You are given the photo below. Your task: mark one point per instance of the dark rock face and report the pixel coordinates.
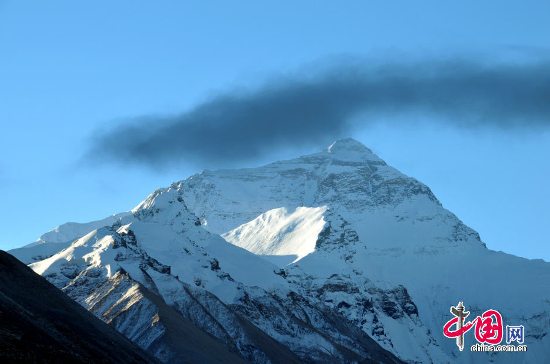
(294, 316)
(144, 317)
(40, 324)
(363, 303)
(337, 234)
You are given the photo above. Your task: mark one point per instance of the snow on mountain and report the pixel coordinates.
(159, 265)
(278, 232)
(60, 237)
(385, 230)
(335, 248)
(70, 231)
(347, 176)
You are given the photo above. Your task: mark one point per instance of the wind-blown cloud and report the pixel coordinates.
(236, 126)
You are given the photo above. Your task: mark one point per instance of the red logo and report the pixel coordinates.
(488, 326)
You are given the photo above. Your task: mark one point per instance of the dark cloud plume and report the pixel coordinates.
(314, 108)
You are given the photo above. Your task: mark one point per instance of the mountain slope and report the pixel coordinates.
(41, 324)
(159, 266)
(386, 235)
(280, 233)
(346, 257)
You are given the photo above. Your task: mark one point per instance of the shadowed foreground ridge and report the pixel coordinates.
(39, 323)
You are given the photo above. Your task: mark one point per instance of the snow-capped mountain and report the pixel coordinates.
(327, 257)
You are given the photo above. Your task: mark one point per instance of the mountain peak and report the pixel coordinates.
(350, 149)
(347, 143)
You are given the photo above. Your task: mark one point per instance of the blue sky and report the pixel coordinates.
(69, 69)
